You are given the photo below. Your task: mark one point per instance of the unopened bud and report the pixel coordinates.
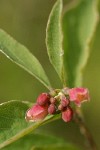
(52, 100)
(43, 99)
(36, 113)
(60, 107)
(67, 114)
(52, 109)
(65, 102)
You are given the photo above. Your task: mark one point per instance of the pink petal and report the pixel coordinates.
(52, 109)
(36, 113)
(67, 114)
(79, 95)
(72, 94)
(43, 99)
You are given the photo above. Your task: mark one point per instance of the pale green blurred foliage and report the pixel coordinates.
(26, 21)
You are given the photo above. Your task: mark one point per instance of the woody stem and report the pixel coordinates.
(84, 130)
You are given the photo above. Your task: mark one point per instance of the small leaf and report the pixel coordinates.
(40, 142)
(12, 121)
(79, 25)
(21, 55)
(54, 38)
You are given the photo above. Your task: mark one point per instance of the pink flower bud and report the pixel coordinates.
(65, 102)
(36, 113)
(60, 107)
(79, 95)
(51, 109)
(52, 100)
(43, 99)
(67, 114)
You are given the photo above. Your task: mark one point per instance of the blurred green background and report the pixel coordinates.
(26, 21)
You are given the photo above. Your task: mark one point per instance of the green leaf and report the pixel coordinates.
(79, 25)
(54, 38)
(40, 142)
(21, 55)
(12, 121)
(55, 147)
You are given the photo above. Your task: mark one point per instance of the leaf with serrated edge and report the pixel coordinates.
(12, 121)
(21, 55)
(54, 38)
(39, 141)
(79, 25)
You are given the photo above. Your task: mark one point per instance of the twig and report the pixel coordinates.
(84, 130)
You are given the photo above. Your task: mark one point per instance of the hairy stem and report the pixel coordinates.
(84, 130)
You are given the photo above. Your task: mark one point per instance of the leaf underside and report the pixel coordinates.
(79, 25)
(54, 38)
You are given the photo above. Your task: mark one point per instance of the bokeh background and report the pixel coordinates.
(26, 20)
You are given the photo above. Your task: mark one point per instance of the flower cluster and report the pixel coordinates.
(57, 101)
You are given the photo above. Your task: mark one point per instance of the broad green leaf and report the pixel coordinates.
(40, 142)
(54, 38)
(12, 121)
(79, 25)
(21, 55)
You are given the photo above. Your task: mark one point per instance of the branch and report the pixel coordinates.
(84, 130)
